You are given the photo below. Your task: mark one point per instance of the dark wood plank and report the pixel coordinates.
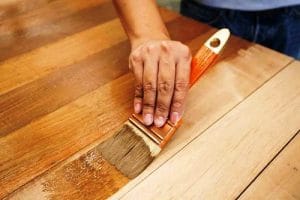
(87, 177)
(45, 95)
(45, 26)
(12, 8)
(39, 62)
(33, 149)
(59, 88)
(21, 106)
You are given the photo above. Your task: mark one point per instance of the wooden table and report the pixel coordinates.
(65, 87)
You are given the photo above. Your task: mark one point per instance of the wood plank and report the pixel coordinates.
(24, 104)
(13, 8)
(234, 69)
(43, 143)
(281, 179)
(50, 24)
(27, 67)
(30, 66)
(40, 97)
(87, 177)
(52, 11)
(218, 91)
(60, 88)
(222, 161)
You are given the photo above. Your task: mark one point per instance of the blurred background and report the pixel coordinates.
(170, 4)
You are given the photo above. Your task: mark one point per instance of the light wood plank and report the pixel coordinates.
(280, 180)
(37, 63)
(222, 161)
(71, 118)
(219, 90)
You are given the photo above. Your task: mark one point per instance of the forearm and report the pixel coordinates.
(141, 20)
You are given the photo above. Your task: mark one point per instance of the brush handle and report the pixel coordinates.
(207, 54)
(203, 59)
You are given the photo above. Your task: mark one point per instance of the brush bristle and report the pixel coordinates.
(129, 150)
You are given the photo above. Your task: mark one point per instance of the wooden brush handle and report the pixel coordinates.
(207, 54)
(204, 58)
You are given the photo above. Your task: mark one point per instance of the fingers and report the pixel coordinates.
(181, 86)
(162, 71)
(149, 85)
(165, 86)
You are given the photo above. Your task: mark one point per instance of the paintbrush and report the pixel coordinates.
(135, 145)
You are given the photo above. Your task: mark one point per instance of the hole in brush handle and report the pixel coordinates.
(215, 42)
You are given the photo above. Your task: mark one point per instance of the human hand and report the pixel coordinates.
(162, 71)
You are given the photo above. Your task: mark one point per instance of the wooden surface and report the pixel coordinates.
(65, 87)
(281, 179)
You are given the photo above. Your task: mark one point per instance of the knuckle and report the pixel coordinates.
(165, 61)
(130, 66)
(181, 86)
(165, 47)
(138, 91)
(162, 108)
(148, 105)
(186, 52)
(149, 87)
(177, 104)
(165, 87)
(149, 49)
(135, 57)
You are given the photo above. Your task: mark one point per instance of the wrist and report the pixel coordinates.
(138, 40)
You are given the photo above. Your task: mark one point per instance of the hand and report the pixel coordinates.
(162, 70)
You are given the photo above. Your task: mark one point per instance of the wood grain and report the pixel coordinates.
(122, 89)
(221, 162)
(66, 83)
(62, 86)
(281, 179)
(52, 11)
(40, 145)
(220, 89)
(58, 21)
(87, 177)
(39, 62)
(13, 8)
(57, 89)
(61, 78)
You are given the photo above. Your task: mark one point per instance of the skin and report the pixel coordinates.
(161, 66)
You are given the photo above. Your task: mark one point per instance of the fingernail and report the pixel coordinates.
(175, 117)
(148, 119)
(159, 122)
(137, 108)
